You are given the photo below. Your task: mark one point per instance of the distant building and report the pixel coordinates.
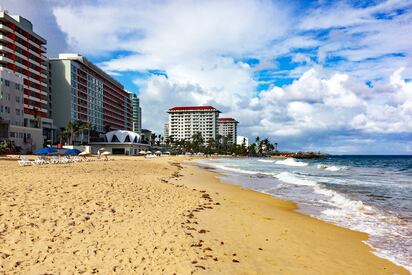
(228, 129)
(83, 92)
(166, 131)
(242, 140)
(184, 122)
(136, 113)
(24, 99)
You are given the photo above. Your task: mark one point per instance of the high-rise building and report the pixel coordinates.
(184, 122)
(83, 92)
(24, 76)
(136, 113)
(166, 131)
(228, 129)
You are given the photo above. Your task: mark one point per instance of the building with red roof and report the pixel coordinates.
(185, 121)
(228, 129)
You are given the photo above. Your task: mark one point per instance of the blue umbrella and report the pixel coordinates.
(72, 152)
(46, 151)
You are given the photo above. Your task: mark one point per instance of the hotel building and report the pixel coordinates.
(136, 113)
(24, 99)
(83, 92)
(184, 122)
(228, 129)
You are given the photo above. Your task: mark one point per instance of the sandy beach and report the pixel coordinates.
(162, 216)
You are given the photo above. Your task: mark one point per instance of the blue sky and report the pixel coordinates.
(311, 75)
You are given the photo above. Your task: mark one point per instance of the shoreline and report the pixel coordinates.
(228, 179)
(378, 265)
(163, 215)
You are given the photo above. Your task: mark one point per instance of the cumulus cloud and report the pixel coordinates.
(202, 47)
(338, 103)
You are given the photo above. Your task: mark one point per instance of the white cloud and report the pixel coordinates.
(198, 44)
(316, 103)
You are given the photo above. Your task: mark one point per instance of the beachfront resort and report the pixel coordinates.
(86, 186)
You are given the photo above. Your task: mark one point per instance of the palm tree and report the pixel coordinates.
(197, 141)
(153, 139)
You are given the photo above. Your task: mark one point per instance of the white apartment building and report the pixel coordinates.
(184, 122)
(28, 139)
(241, 139)
(228, 128)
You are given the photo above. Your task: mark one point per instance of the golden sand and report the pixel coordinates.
(162, 216)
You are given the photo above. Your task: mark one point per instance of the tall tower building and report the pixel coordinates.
(136, 113)
(184, 122)
(24, 80)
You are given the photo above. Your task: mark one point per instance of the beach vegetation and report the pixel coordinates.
(221, 146)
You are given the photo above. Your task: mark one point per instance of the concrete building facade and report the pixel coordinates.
(228, 129)
(184, 122)
(24, 75)
(166, 131)
(136, 113)
(83, 92)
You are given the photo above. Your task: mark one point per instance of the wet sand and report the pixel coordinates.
(162, 216)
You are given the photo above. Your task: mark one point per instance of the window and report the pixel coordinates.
(7, 109)
(17, 86)
(17, 99)
(18, 112)
(7, 83)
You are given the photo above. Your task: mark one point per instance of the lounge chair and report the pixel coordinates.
(24, 161)
(54, 160)
(76, 159)
(65, 160)
(40, 161)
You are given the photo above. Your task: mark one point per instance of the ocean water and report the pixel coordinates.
(371, 194)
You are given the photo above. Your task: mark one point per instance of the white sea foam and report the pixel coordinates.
(237, 170)
(332, 168)
(292, 179)
(266, 160)
(291, 162)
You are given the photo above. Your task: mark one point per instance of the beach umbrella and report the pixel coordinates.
(101, 149)
(106, 153)
(85, 153)
(142, 152)
(46, 151)
(158, 152)
(72, 152)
